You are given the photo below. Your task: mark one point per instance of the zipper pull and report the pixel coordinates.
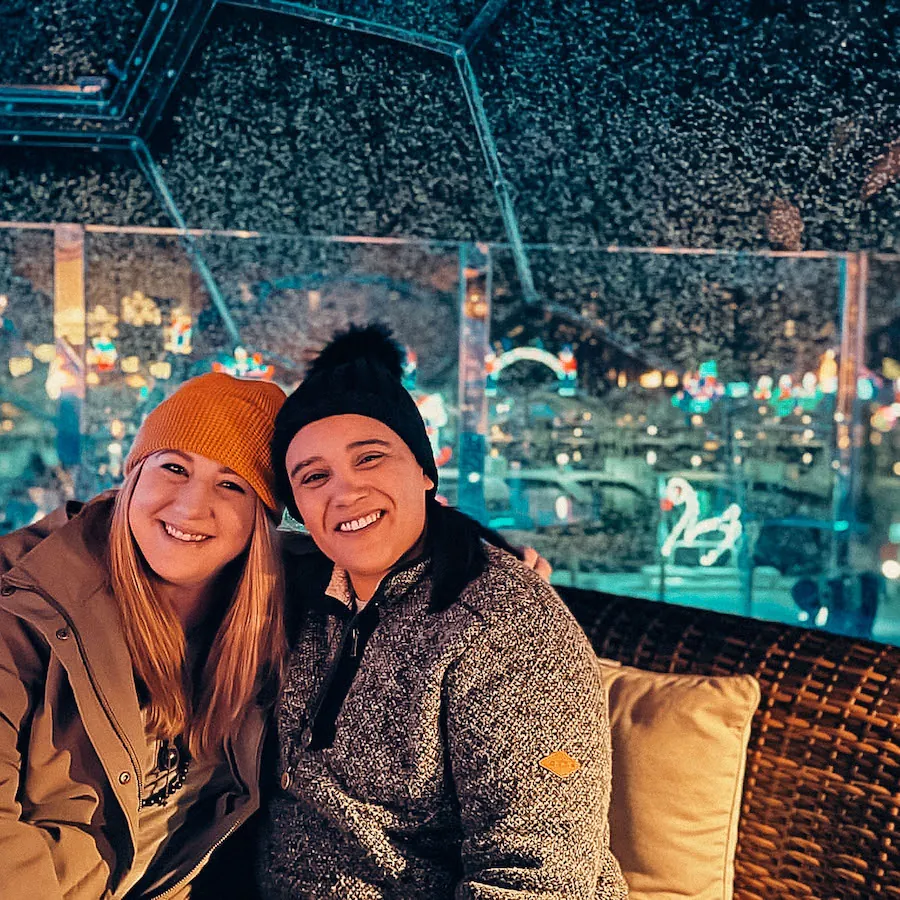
(354, 642)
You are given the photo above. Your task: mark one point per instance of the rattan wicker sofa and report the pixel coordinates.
(821, 806)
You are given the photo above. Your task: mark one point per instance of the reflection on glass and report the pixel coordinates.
(659, 425)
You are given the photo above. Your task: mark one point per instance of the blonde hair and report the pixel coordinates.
(247, 651)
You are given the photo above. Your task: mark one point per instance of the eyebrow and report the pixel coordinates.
(353, 445)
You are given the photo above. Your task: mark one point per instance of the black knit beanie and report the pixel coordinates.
(358, 373)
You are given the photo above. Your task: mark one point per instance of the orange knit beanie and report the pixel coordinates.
(230, 420)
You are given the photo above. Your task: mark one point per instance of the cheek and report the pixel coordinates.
(310, 503)
(241, 522)
(139, 523)
(313, 513)
(415, 511)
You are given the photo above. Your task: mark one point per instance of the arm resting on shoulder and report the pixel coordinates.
(529, 747)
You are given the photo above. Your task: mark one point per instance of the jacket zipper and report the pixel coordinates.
(205, 858)
(351, 637)
(94, 684)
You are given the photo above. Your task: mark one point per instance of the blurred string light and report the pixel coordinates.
(790, 395)
(886, 416)
(161, 370)
(102, 323)
(651, 380)
(701, 389)
(140, 310)
(44, 353)
(102, 354)
(244, 365)
(20, 365)
(179, 332)
(62, 374)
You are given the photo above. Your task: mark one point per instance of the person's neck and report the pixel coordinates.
(191, 605)
(364, 587)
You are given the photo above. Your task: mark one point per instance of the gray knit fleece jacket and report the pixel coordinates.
(433, 786)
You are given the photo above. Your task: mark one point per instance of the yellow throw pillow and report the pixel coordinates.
(679, 753)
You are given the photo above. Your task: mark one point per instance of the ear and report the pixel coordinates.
(429, 484)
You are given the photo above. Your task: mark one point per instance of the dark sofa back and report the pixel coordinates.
(821, 797)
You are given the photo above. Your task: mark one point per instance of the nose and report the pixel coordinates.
(348, 488)
(193, 500)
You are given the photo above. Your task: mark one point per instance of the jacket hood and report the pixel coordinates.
(62, 555)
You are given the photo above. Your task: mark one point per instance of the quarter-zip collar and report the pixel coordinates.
(394, 586)
(356, 632)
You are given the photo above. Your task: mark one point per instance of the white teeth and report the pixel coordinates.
(176, 533)
(357, 524)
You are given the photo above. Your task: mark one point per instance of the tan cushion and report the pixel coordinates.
(679, 752)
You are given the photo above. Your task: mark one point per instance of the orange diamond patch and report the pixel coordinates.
(560, 763)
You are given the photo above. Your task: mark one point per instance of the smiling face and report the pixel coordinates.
(190, 516)
(361, 494)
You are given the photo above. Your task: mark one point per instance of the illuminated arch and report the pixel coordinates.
(563, 366)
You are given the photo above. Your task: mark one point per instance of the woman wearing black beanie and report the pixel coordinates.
(442, 730)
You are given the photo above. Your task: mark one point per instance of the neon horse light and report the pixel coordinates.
(690, 526)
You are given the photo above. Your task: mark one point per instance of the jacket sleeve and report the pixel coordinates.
(529, 749)
(26, 864)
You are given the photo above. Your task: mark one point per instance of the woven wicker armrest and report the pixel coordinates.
(822, 789)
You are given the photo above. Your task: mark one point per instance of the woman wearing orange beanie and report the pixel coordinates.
(141, 639)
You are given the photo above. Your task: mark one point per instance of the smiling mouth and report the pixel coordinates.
(186, 536)
(361, 523)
